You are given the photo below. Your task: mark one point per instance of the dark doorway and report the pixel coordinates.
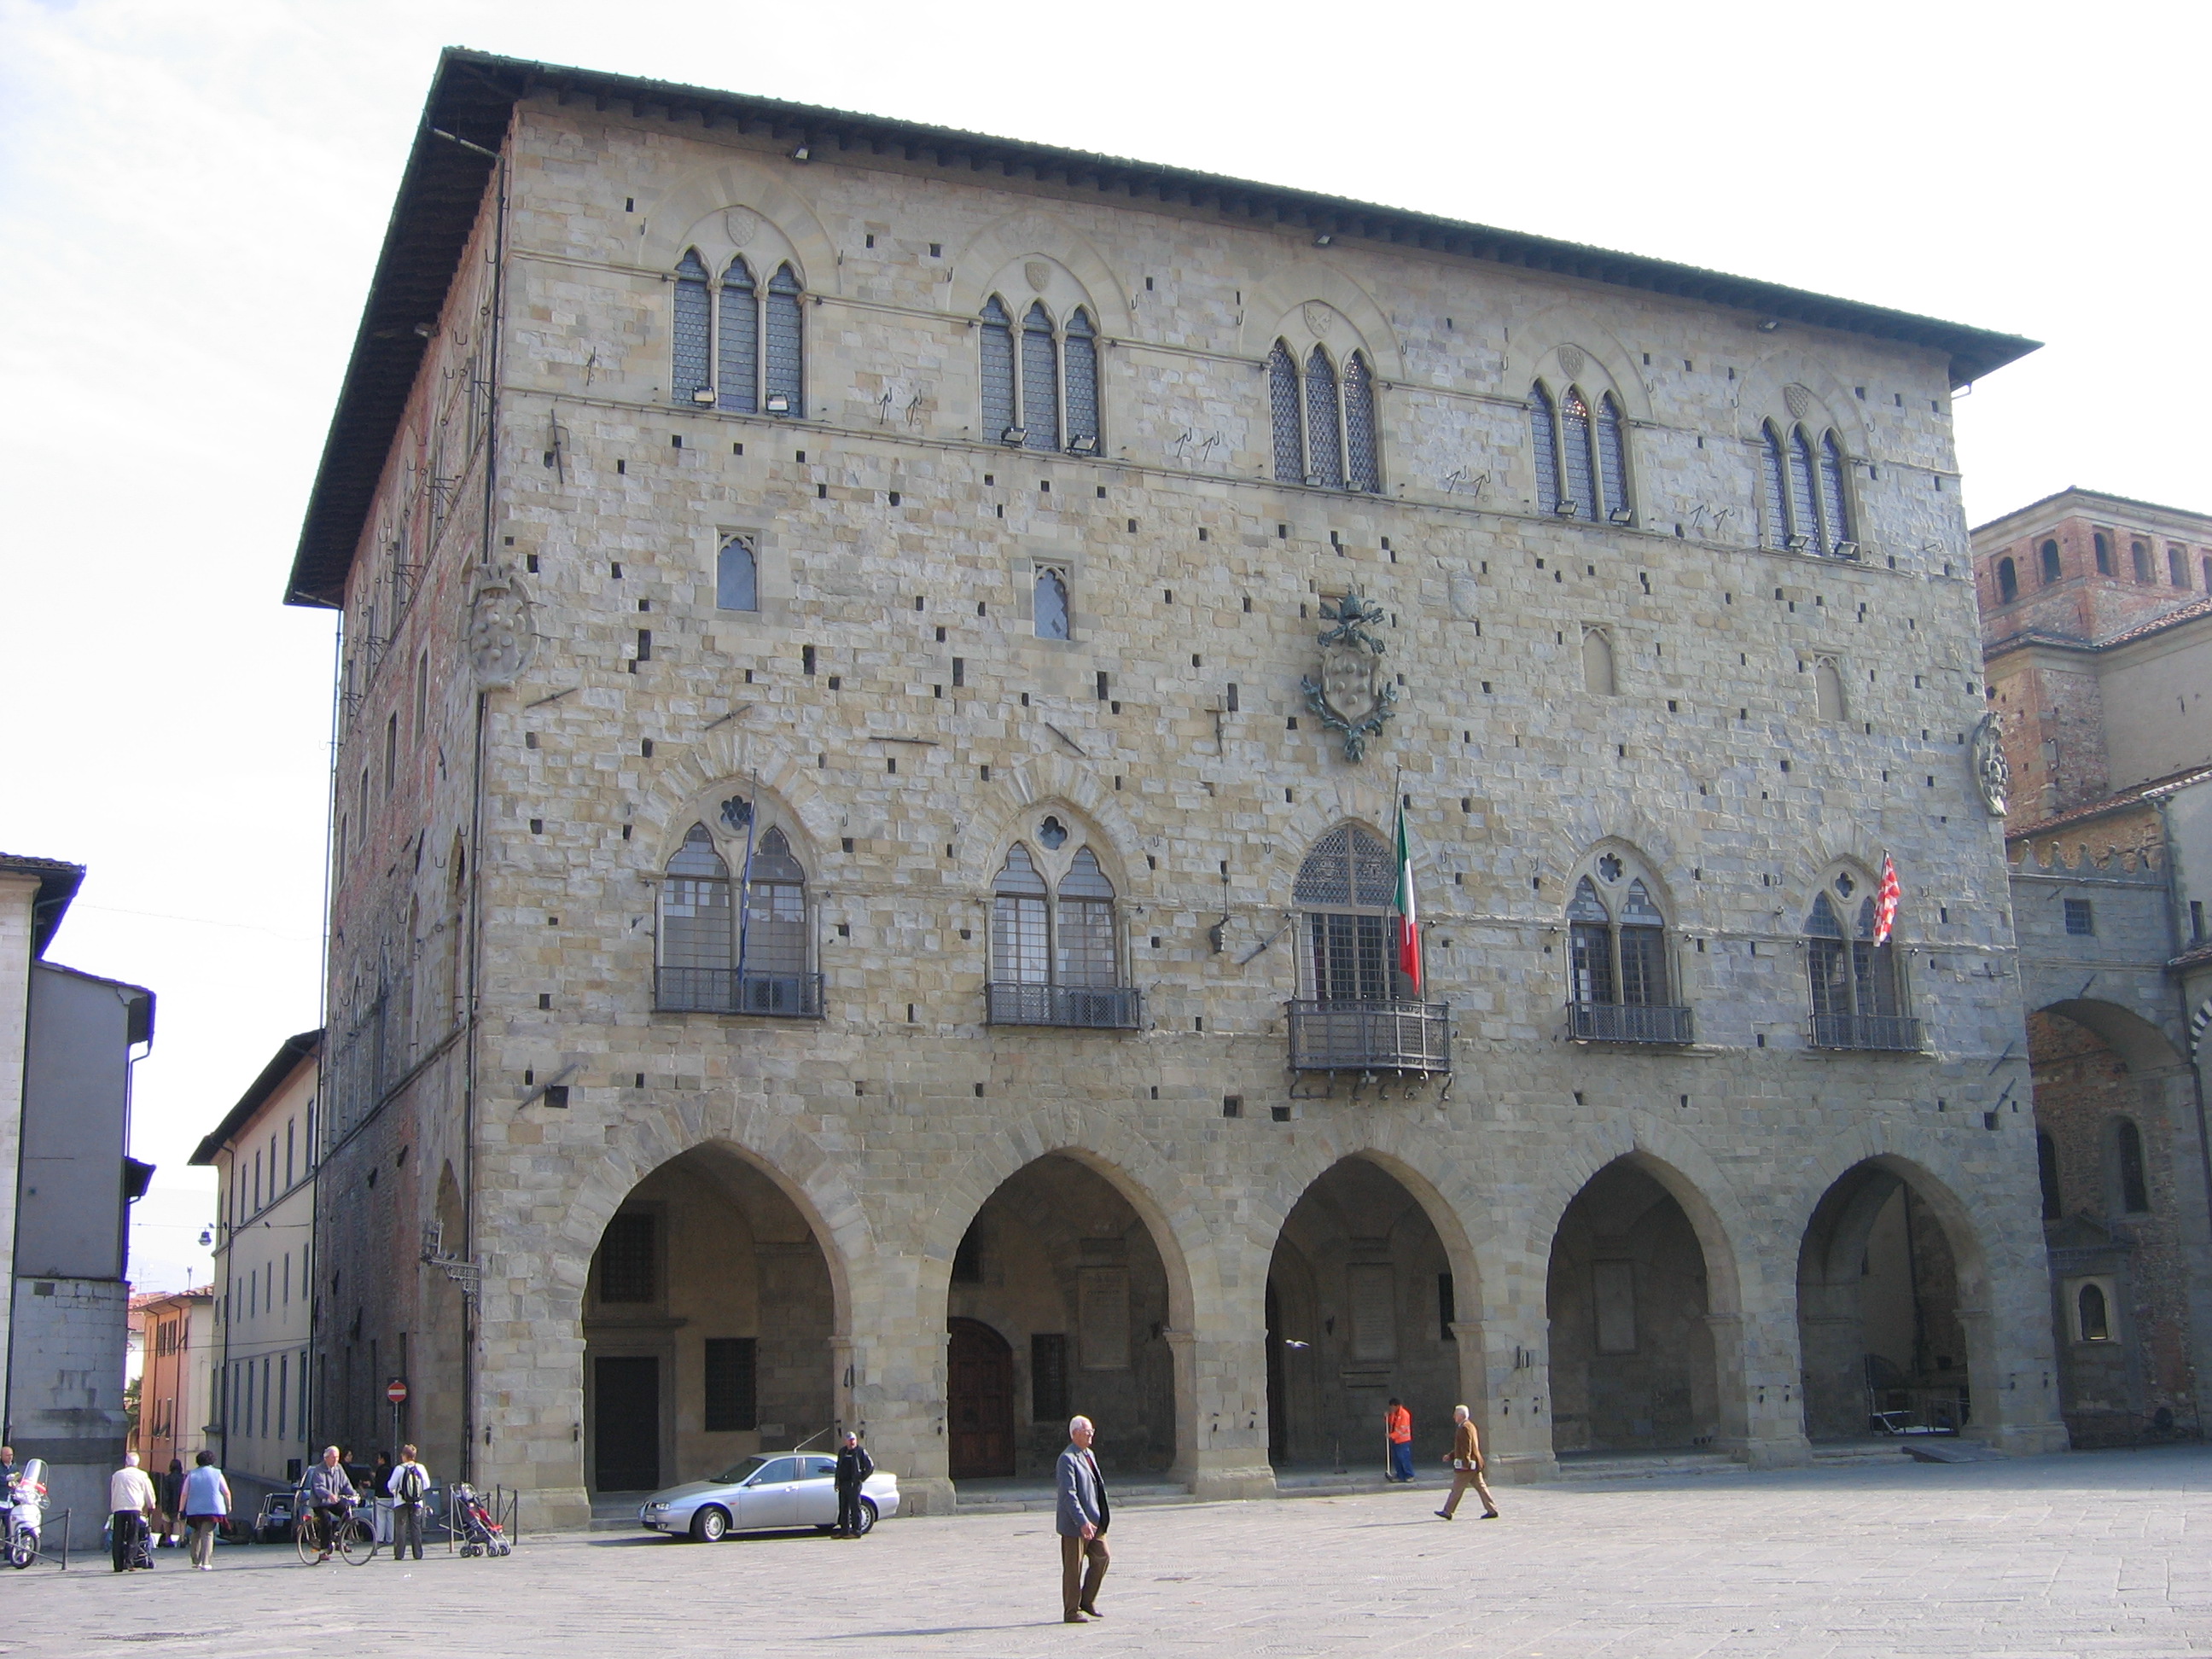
(626, 1423)
(1278, 1432)
(982, 1400)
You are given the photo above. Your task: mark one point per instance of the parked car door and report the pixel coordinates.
(770, 1497)
(817, 1491)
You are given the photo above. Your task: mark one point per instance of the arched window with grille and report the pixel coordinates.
(783, 362)
(1079, 366)
(1002, 415)
(1363, 465)
(736, 576)
(1856, 999)
(1805, 524)
(2051, 566)
(1835, 511)
(691, 373)
(1040, 420)
(1323, 422)
(1774, 488)
(1056, 941)
(1805, 502)
(1619, 982)
(1578, 457)
(2008, 580)
(737, 385)
(1345, 888)
(741, 946)
(1544, 446)
(1581, 455)
(1613, 459)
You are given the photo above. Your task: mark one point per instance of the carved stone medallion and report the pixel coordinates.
(1318, 317)
(1352, 694)
(1800, 401)
(1985, 761)
(742, 224)
(1038, 275)
(1570, 360)
(501, 636)
(1466, 597)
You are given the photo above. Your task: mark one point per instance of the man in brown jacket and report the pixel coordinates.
(1466, 1461)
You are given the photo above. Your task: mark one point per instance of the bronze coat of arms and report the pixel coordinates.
(1353, 696)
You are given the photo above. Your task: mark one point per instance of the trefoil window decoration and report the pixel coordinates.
(1580, 452)
(1804, 504)
(1324, 420)
(1056, 946)
(740, 345)
(1040, 391)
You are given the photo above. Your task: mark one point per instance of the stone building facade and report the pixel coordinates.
(2099, 651)
(883, 671)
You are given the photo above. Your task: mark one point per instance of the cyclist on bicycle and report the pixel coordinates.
(330, 1494)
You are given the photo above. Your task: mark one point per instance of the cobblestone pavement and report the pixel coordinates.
(2102, 1554)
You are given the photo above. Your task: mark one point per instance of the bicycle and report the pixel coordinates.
(349, 1538)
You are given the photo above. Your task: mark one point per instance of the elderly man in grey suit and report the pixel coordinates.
(1081, 1522)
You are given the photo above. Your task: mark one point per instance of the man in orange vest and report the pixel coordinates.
(1398, 1426)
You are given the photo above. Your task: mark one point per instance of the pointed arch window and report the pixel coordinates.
(736, 576)
(1055, 947)
(1774, 489)
(1856, 1000)
(2051, 565)
(1581, 455)
(1325, 430)
(742, 947)
(1835, 510)
(1040, 381)
(1356, 1012)
(1805, 504)
(1048, 604)
(2008, 581)
(1804, 517)
(736, 347)
(1619, 980)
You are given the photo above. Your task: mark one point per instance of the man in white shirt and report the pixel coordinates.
(129, 1501)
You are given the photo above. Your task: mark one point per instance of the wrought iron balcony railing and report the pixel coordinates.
(1095, 1007)
(727, 991)
(1892, 1033)
(1624, 1022)
(1370, 1037)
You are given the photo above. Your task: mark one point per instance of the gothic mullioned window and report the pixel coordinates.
(1345, 888)
(1619, 987)
(1040, 381)
(1581, 455)
(737, 946)
(1324, 420)
(1857, 1001)
(1804, 504)
(1055, 944)
(738, 345)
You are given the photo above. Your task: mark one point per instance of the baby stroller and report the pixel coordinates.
(480, 1532)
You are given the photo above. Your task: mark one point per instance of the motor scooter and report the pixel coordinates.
(27, 1493)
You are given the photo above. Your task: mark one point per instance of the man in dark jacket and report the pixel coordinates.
(855, 1466)
(1081, 1521)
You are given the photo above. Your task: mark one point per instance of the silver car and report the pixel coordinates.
(771, 1489)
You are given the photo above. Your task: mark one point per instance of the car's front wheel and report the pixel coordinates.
(868, 1517)
(710, 1526)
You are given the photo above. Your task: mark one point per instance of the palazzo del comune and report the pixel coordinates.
(882, 669)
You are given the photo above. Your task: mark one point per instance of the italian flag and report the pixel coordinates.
(1409, 928)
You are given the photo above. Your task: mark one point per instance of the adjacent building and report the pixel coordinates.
(68, 1042)
(902, 694)
(262, 1154)
(2097, 624)
(177, 1415)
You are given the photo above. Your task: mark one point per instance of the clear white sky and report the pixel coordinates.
(192, 193)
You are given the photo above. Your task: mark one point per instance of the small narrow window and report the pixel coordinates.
(2103, 545)
(2080, 918)
(736, 576)
(1612, 459)
(1577, 446)
(1040, 381)
(2008, 581)
(2177, 566)
(1050, 607)
(1364, 469)
(2049, 553)
(1835, 512)
(1544, 447)
(2140, 553)
(695, 330)
(1079, 361)
(2127, 1156)
(2095, 1317)
(1828, 691)
(738, 341)
(1283, 408)
(1804, 522)
(1774, 489)
(999, 419)
(1597, 663)
(1324, 434)
(784, 357)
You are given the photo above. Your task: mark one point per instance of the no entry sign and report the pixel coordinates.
(396, 1392)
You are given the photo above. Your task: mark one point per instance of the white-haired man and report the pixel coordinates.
(1081, 1522)
(129, 1501)
(1466, 1461)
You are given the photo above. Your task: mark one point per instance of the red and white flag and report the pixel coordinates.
(1409, 930)
(1885, 902)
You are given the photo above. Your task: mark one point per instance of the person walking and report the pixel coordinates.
(331, 1496)
(205, 1501)
(1081, 1521)
(1466, 1460)
(409, 1487)
(855, 1466)
(380, 1501)
(173, 1504)
(131, 1499)
(1398, 1430)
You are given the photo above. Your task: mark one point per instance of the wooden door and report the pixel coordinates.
(626, 1423)
(982, 1402)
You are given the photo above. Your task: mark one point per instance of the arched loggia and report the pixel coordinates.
(709, 1318)
(1880, 1296)
(1063, 1297)
(1362, 1305)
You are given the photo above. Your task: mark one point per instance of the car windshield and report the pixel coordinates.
(744, 1471)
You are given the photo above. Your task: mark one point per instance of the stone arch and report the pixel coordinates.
(1691, 1179)
(984, 263)
(1650, 870)
(1035, 783)
(1534, 352)
(1275, 310)
(2141, 1045)
(1762, 396)
(1591, 825)
(725, 762)
(1320, 809)
(693, 212)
